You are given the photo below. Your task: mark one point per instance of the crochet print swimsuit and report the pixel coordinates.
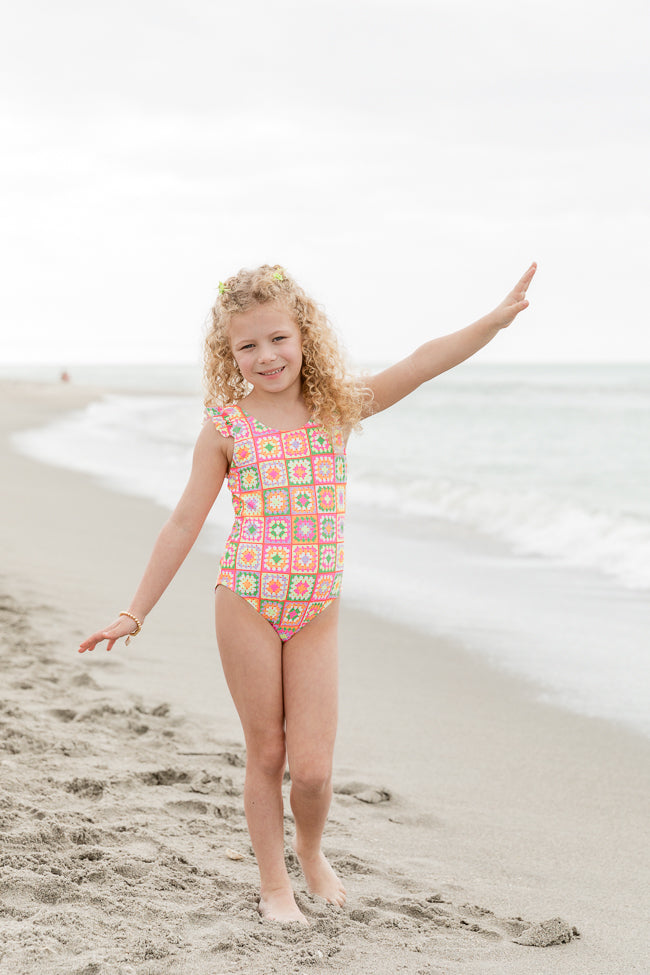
(284, 554)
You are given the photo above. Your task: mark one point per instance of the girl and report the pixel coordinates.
(279, 410)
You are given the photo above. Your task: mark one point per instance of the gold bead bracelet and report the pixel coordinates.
(137, 623)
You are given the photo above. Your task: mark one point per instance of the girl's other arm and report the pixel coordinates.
(441, 354)
(209, 466)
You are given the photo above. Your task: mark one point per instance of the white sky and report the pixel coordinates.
(404, 160)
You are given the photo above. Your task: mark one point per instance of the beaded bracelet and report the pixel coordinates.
(136, 631)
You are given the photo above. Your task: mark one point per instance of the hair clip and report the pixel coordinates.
(279, 276)
(223, 289)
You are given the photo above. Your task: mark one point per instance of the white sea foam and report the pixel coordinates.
(533, 523)
(136, 444)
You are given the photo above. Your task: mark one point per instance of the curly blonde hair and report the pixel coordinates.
(333, 397)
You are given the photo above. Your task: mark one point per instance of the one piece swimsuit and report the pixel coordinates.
(284, 554)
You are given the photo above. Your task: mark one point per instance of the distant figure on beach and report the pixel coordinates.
(279, 409)
(65, 376)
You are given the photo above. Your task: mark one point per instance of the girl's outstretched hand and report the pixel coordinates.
(123, 626)
(513, 303)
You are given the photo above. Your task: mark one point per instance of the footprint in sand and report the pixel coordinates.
(468, 917)
(364, 915)
(189, 807)
(347, 864)
(424, 910)
(85, 788)
(63, 714)
(91, 856)
(165, 776)
(364, 793)
(132, 869)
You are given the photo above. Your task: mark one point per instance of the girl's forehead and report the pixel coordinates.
(260, 320)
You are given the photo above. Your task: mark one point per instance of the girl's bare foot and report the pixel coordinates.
(280, 905)
(321, 879)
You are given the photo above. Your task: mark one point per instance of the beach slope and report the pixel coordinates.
(124, 844)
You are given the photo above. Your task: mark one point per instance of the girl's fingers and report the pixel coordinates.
(524, 281)
(516, 301)
(92, 641)
(88, 645)
(114, 633)
(517, 306)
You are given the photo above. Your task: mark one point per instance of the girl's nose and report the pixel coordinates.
(266, 355)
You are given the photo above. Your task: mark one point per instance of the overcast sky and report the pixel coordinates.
(404, 160)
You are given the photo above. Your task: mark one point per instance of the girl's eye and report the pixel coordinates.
(278, 338)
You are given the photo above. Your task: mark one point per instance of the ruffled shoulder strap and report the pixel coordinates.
(227, 419)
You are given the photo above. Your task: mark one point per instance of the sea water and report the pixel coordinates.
(508, 506)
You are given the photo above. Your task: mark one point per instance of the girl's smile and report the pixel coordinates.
(274, 372)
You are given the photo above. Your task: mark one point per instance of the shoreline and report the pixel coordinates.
(552, 622)
(496, 798)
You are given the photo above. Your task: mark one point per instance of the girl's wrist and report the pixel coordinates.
(138, 622)
(490, 325)
(137, 612)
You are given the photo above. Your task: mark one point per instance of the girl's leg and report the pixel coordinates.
(310, 671)
(251, 654)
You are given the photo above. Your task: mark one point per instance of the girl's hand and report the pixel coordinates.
(513, 303)
(123, 626)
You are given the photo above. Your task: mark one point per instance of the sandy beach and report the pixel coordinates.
(477, 829)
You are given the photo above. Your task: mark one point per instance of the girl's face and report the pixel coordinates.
(267, 347)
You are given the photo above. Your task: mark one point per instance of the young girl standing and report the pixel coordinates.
(279, 410)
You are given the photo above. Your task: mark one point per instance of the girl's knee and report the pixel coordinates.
(266, 755)
(313, 777)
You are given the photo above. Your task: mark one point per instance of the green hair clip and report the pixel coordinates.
(223, 289)
(279, 276)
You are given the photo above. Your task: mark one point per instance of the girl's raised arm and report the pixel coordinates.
(209, 466)
(441, 354)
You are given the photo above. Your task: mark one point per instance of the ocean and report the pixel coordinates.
(505, 506)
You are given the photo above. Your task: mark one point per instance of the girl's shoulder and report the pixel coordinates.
(229, 420)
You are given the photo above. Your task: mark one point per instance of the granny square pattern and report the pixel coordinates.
(284, 554)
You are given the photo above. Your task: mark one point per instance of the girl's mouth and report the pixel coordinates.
(273, 372)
